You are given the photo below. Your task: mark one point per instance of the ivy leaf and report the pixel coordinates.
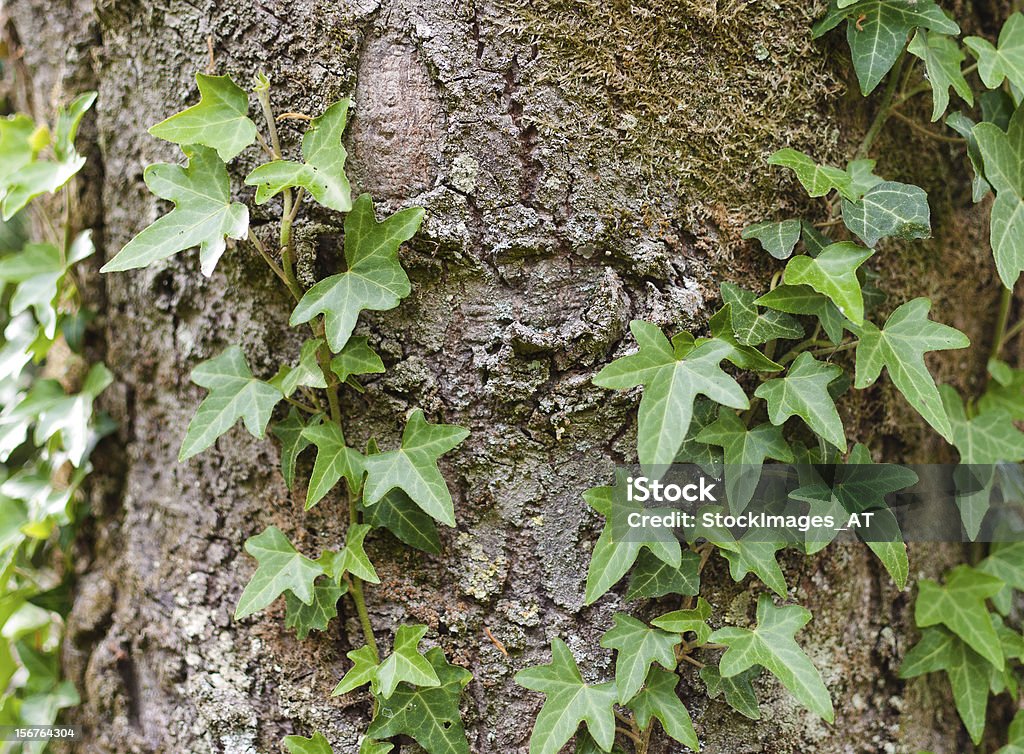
(771, 645)
(659, 699)
(778, 239)
(397, 513)
(1004, 61)
(708, 457)
(234, 394)
(612, 558)
(743, 356)
(960, 606)
(689, 620)
(889, 209)
(569, 702)
(753, 556)
(316, 616)
(20, 142)
(334, 460)
(738, 689)
(833, 273)
(804, 392)
(316, 744)
(369, 746)
(413, 467)
(1007, 565)
(323, 172)
(307, 372)
(877, 31)
(219, 121)
(670, 387)
(356, 358)
(405, 663)
(353, 559)
(900, 347)
(38, 270)
(817, 180)
(1003, 155)
(637, 646)
(1005, 392)
(291, 433)
(281, 568)
(965, 127)
(653, 577)
(203, 214)
(745, 452)
(374, 279)
(942, 57)
(991, 437)
(362, 672)
(753, 327)
(802, 299)
(430, 716)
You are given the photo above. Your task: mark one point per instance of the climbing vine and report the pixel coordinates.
(806, 341)
(415, 692)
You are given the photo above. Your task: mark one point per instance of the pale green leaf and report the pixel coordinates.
(637, 646)
(1007, 565)
(689, 620)
(219, 121)
(356, 358)
(804, 392)
(405, 663)
(960, 606)
(1006, 60)
(942, 57)
(965, 127)
(659, 699)
(777, 238)
(334, 460)
(833, 273)
(281, 568)
(362, 672)
(307, 372)
(1003, 156)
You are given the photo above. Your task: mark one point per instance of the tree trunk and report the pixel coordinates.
(582, 164)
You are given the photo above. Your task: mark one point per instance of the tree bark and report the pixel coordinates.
(582, 165)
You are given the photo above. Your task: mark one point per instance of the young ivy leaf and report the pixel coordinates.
(281, 568)
(738, 689)
(430, 716)
(413, 467)
(889, 209)
(234, 394)
(991, 437)
(749, 555)
(203, 214)
(653, 577)
(1003, 155)
(658, 699)
(802, 299)
(1004, 61)
(778, 238)
(817, 180)
(323, 172)
(942, 57)
(405, 663)
(315, 744)
(307, 372)
(219, 121)
(804, 392)
(833, 273)
(316, 616)
(771, 645)
(685, 621)
(636, 647)
(291, 433)
(900, 347)
(374, 279)
(752, 327)
(352, 559)
(20, 141)
(334, 460)
(569, 702)
(362, 672)
(38, 269)
(670, 386)
(960, 606)
(356, 358)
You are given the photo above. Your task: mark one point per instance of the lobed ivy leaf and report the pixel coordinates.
(771, 645)
(777, 238)
(203, 214)
(738, 689)
(817, 180)
(281, 568)
(356, 358)
(889, 209)
(307, 372)
(20, 141)
(803, 299)
(723, 331)
(233, 394)
(317, 615)
(833, 273)
(569, 702)
(323, 172)
(990, 437)
(1003, 157)
(942, 57)
(219, 121)
(671, 384)
(405, 664)
(1007, 565)
(362, 672)
(900, 347)
(315, 744)
(636, 647)
(753, 327)
(689, 620)
(750, 555)
(959, 605)
(1005, 61)
(965, 127)
(374, 279)
(804, 392)
(397, 513)
(413, 467)
(334, 460)
(658, 699)
(653, 577)
(291, 432)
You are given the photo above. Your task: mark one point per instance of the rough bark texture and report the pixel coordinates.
(582, 164)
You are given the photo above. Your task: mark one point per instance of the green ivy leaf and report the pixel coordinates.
(804, 392)
(1007, 565)
(1015, 738)
(316, 616)
(233, 394)
(1004, 393)
(659, 699)
(203, 214)
(722, 331)
(688, 620)
(405, 663)
(942, 57)
(817, 180)
(353, 559)
(291, 433)
(753, 327)
(670, 387)
(833, 273)
(778, 239)
(430, 716)
(219, 121)
(1003, 155)
(900, 347)
(569, 702)
(990, 437)
(281, 568)
(362, 672)
(73, 416)
(413, 467)
(323, 172)
(802, 299)
(374, 279)
(315, 744)
(20, 142)
(753, 556)
(356, 358)
(889, 209)
(653, 577)
(738, 689)
(397, 513)
(307, 372)
(636, 647)
(369, 746)
(334, 460)
(1004, 61)
(965, 127)
(771, 645)
(960, 606)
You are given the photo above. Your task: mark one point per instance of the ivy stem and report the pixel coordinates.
(1013, 331)
(1000, 334)
(289, 282)
(918, 128)
(884, 108)
(304, 406)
